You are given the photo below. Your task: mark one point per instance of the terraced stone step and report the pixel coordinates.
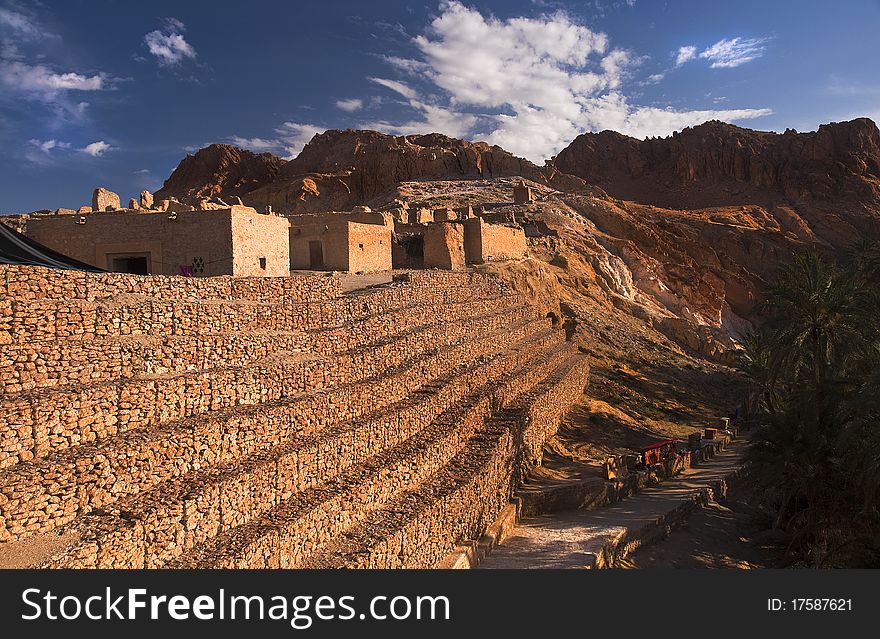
(34, 321)
(291, 531)
(182, 514)
(421, 526)
(67, 362)
(38, 283)
(35, 423)
(44, 494)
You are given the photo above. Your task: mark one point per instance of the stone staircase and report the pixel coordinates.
(271, 422)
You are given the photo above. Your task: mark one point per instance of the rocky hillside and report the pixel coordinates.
(718, 164)
(218, 170)
(341, 169)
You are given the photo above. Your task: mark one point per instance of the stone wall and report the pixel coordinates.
(486, 242)
(369, 247)
(330, 236)
(266, 422)
(260, 245)
(344, 245)
(444, 245)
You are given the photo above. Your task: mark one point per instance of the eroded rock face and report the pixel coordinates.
(146, 200)
(219, 170)
(104, 200)
(717, 163)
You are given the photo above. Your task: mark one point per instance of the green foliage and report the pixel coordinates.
(814, 372)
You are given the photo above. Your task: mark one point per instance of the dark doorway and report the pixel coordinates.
(408, 251)
(134, 264)
(316, 254)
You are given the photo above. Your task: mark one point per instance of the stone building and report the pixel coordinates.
(444, 245)
(453, 245)
(231, 241)
(522, 194)
(358, 243)
(486, 242)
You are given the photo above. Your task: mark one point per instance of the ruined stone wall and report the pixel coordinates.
(444, 245)
(266, 422)
(28, 283)
(486, 242)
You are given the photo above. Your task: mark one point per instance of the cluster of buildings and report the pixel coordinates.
(218, 237)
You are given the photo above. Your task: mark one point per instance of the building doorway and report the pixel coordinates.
(316, 254)
(136, 264)
(408, 251)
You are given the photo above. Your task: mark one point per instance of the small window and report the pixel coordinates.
(361, 246)
(263, 263)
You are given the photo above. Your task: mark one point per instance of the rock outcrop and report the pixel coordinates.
(218, 170)
(104, 200)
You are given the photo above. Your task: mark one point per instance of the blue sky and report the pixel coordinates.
(113, 93)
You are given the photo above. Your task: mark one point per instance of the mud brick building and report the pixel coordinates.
(359, 243)
(231, 241)
(453, 245)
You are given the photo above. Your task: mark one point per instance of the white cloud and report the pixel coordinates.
(354, 104)
(655, 78)
(41, 80)
(96, 149)
(290, 140)
(397, 87)
(613, 112)
(46, 146)
(530, 85)
(684, 54)
(168, 45)
(727, 54)
(260, 145)
(20, 24)
(434, 118)
(27, 75)
(406, 65)
(293, 136)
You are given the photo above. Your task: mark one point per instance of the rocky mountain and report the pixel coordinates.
(718, 164)
(341, 169)
(218, 170)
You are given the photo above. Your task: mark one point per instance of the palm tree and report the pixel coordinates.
(822, 315)
(815, 374)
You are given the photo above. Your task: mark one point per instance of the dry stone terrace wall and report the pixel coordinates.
(20, 283)
(159, 421)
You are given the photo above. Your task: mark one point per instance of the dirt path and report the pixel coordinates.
(719, 535)
(576, 538)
